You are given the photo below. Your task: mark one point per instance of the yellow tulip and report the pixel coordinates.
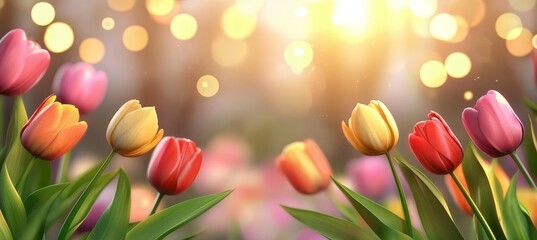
(133, 131)
(53, 129)
(371, 128)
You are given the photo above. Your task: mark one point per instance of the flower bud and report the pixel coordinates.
(493, 125)
(305, 166)
(22, 63)
(435, 146)
(371, 128)
(52, 130)
(174, 165)
(134, 131)
(80, 85)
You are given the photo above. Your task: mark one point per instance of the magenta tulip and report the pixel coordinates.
(493, 125)
(174, 165)
(435, 146)
(80, 85)
(22, 63)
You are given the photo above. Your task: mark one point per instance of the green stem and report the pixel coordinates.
(65, 229)
(157, 202)
(523, 170)
(61, 175)
(477, 213)
(401, 196)
(22, 179)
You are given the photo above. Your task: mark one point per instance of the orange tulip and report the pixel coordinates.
(53, 129)
(528, 199)
(305, 166)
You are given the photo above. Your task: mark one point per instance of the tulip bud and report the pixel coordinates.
(22, 63)
(458, 196)
(371, 128)
(80, 85)
(52, 130)
(305, 166)
(174, 165)
(493, 125)
(133, 131)
(435, 146)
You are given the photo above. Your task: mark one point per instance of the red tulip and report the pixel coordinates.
(174, 165)
(493, 125)
(80, 85)
(305, 166)
(22, 63)
(53, 129)
(435, 146)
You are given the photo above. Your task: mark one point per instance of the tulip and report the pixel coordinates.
(134, 131)
(80, 85)
(371, 128)
(435, 146)
(174, 165)
(493, 125)
(305, 166)
(22, 63)
(370, 176)
(52, 130)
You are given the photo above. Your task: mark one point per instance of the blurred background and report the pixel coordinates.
(245, 78)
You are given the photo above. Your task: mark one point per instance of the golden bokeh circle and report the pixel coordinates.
(135, 38)
(59, 37)
(92, 50)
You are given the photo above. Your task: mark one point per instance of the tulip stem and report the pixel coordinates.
(61, 174)
(523, 170)
(477, 213)
(401, 196)
(156, 203)
(66, 226)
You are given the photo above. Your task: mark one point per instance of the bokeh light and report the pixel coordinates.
(249, 5)
(208, 85)
(468, 95)
(352, 15)
(159, 7)
(443, 26)
(228, 52)
(298, 54)
(423, 8)
(508, 26)
(43, 13)
(462, 30)
(433, 74)
(2, 2)
(108, 23)
(92, 50)
(522, 5)
(237, 23)
(522, 45)
(121, 5)
(59, 37)
(397, 5)
(473, 11)
(184, 26)
(458, 65)
(135, 38)
(534, 41)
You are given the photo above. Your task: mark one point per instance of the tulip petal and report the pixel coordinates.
(318, 158)
(145, 148)
(12, 54)
(66, 139)
(443, 142)
(429, 157)
(470, 120)
(42, 127)
(354, 141)
(57, 81)
(297, 174)
(371, 130)
(165, 161)
(388, 118)
(126, 108)
(189, 171)
(70, 115)
(34, 68)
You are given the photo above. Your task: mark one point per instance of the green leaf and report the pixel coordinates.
(330, 227)
(17, 157)
(114, 222)
(515, 223)
(383, 222)
(38, 205)
(11, 205)
(39, 177)
(432, 207)
(480, 189)
(531, 105)
(530, 149)
(160, 224)
(5, 233)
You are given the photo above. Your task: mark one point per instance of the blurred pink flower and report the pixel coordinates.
(22, 63)
(98, 208)
(81, 85)
(370, 176)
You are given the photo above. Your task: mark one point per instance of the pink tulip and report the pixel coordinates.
(80, 85)
(493, 125)
(435, 146)
(370, 176)
(22, 63)
(174, 165)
